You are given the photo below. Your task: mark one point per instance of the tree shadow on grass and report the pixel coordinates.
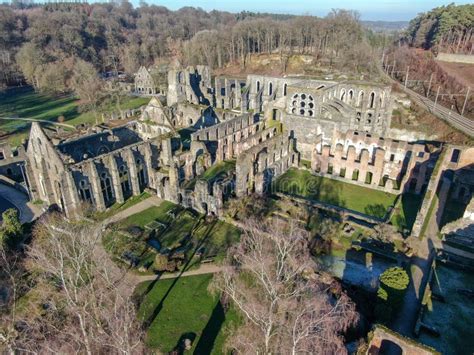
(181, 345)
(211, 330)
(159, 307)
(377, 210)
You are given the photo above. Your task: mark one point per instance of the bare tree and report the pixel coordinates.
(88, 298)
(271, 279)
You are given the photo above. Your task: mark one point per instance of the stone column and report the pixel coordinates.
(132, 169)
(96, 190)
(149, 166)
(72, 203)
(114, 173)
(364, 162)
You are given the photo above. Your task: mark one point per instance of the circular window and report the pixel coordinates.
(303, 96)
(311, 98)
(301, 112)
(311, 105)
(311, 113)
(295, 96)
(294, 103)
(293, 111)
(302, 104)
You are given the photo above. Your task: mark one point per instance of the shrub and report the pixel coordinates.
(393, 284)
(160, 263)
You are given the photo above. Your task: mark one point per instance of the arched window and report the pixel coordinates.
(270, 89)
(84, 191)
(372, 100)
(285, 86)
(106, 187)
(343, 94)
(360, 100)
(258, 86)
(124, 181)
(141, 174)
(351, 94)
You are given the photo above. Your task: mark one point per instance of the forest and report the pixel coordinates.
(444, 29)
(43, 44)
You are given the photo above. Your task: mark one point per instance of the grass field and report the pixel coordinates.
(354, 197)
(25, 103)
(182, 307)
(406, 210)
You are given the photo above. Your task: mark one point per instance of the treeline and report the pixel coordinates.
(339, 39)
(444, 29)
(43, 43)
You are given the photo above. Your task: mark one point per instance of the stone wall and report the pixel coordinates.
(405, 346)
(258, 166)
(12, 162)
(373, 161)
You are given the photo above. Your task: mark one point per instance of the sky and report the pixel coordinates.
(385, 10)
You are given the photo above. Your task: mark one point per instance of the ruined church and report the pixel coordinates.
(208, 141)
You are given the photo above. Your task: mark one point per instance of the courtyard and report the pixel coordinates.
(302, 183)
(172, 231)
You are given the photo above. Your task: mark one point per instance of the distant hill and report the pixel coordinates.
(385, 26)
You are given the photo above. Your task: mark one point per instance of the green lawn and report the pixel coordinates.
(118, 207)
(405, 211)
(155, 213)
(354, 197)
(183, 307)
(218, 170)
(25, 103)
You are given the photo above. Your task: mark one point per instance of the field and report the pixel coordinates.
(177, 308)
(354, 197)
(25, 103)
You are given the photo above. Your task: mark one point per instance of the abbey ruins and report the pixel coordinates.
(209, 141)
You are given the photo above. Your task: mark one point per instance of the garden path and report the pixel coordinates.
(139, 207)
(208, 268)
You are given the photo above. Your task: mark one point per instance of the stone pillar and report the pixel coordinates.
(166, 153)
(364, 162)
(379, 163)
(114, 173)
(149, 166)
(72, 203)
(96, 189)
(132, 169)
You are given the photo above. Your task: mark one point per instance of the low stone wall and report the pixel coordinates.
(456, 58)
(405, 345)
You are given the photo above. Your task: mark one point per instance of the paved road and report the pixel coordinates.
(462, 123)
(27, 210)
(203, 269)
